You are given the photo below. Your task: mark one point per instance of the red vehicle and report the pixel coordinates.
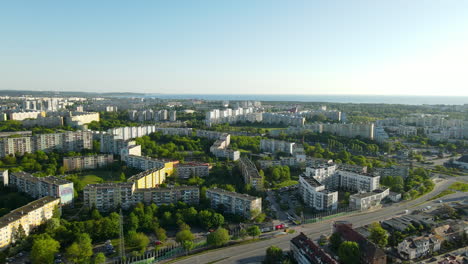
(281, 226)
(157, 242)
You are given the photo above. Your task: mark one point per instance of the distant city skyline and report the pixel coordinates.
(335, 47)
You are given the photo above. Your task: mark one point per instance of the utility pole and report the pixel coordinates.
(122, 239)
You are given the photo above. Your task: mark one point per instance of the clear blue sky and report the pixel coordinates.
(290, 47)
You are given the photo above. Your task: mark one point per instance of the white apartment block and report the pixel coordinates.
(325, 174)
(20, 116)
(38, 187)
(315, 195)
(283, 119)
(190, 169)
(358, 182)
(11, 146)
(67, 141)
(49, 121)
(363, 201)
(250, 173)
(78, 119)
(220, 146)
(234, 203)
(28, 217)
(273, 146)
(87, 162)
(330, 114)
(146, 163)
(231, 116)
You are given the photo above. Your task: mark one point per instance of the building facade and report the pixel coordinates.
(305, 251)
(273, 146)
(28, 217)
(87, 162)
(234, 203)
(190, 169)
(109, 196)
(38, 187)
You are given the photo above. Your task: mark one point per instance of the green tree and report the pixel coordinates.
(335, 241)
(81, 250)
(43, 250)
(378, 235)
(218, 238)
(184, 235)
(185, 238)
(217, 220)
(160, 234)
(122, 177)
(137, 242)
(349, 252)
(19, 234)
(99, 258)
(274, 255)
(253, 231)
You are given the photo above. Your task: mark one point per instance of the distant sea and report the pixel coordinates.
(376, 99)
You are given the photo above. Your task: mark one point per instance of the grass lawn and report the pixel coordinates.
(91, 179)
(459, 186)
(286, 183)
(453, 188)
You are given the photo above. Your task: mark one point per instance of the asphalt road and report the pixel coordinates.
(254, 252)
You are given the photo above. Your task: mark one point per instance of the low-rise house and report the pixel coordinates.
(417, 247)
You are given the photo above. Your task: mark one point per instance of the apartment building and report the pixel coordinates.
(108, 196)
(15, 145)
(231, 116)
(48, 121)
(38, 187)
(330, 114)
(358, 182)
(273, 146)
(364, 201)
(80, 118)
(87, 162)
(250, 173)
(315, 195)
(4, 177)
(234, 203)
(20, 116)
(220, 148)
(151, 178)
(67, 141)
(305, 251)
(28, 217)
(350, 130)
(190, 169)
(160, 196)
(283, 119)
(324, 173)
(146, 163)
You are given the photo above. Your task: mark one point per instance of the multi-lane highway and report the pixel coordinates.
(254, 252)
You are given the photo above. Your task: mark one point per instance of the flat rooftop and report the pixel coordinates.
(234, 194)
(311, 181)
(20, 212)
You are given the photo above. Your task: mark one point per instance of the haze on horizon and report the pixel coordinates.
(236, 47)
